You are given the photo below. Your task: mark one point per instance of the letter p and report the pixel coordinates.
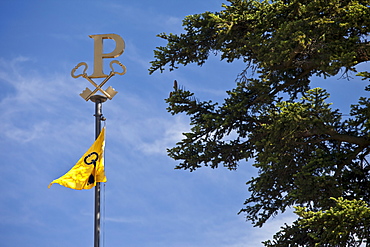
(99, 55)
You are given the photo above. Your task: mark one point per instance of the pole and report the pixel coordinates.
(98, 100)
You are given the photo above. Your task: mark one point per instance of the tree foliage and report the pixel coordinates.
(304, 150)
(347, 223)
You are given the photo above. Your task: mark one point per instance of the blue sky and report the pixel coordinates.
(47, 126)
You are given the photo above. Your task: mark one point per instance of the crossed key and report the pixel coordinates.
(109, 92)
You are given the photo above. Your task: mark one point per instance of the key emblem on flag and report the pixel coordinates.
(92, 161)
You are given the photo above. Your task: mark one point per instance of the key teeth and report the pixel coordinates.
(86, 94)
(111, 92)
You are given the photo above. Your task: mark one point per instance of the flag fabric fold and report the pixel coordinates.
(88, 170)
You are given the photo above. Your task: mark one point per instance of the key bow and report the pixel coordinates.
(83, 74)
(120, 64)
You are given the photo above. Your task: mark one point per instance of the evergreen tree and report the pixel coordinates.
(306, 154)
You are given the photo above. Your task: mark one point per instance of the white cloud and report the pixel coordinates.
(170, 133)
(37, 106)
(272, 226)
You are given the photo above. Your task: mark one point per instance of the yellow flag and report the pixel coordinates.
(88, 170)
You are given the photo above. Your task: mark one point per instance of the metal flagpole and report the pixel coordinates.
(80, 71)
(98, 100)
